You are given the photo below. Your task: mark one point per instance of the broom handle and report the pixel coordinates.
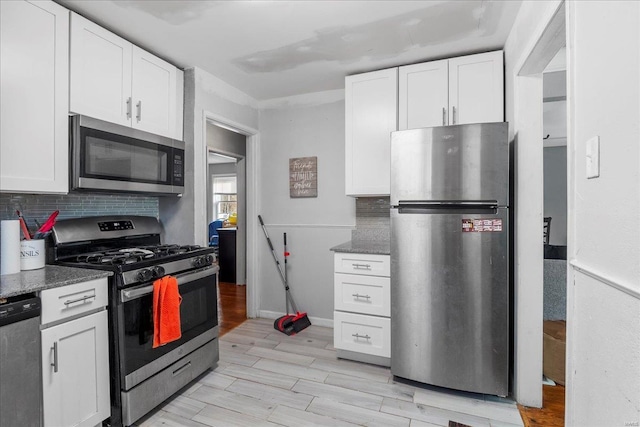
(275, 258)
(286, 279)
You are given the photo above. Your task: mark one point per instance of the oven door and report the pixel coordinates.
(198, 321)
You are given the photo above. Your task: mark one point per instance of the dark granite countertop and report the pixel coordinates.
(51, 276)
(379, 247)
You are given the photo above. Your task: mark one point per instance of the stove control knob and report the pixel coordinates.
(209, 259)
(145, 275)
(158, 271)
(198, 262)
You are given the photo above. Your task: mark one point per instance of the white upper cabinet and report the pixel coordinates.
(116, 81)
(423, 96)
(371, 116)
(476, 89)
(469, 89)
(456, 91)
(34, 101)
(154, 93)
(100, 72)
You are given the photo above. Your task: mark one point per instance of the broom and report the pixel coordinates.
(288, 324)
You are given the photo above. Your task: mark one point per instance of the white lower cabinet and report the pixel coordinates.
(362, 324)
(75, 368)
(362, 333)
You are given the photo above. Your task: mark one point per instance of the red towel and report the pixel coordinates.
(166, 311)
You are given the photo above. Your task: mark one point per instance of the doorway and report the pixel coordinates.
(226, 214)
(528, 147)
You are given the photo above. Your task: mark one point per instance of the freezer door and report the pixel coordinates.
(449, 300)
(465, 162)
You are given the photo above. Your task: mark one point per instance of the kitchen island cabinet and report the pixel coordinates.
(116, 81)
(34, 61)
(75, 355)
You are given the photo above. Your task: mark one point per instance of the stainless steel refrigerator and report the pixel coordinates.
(450, 257)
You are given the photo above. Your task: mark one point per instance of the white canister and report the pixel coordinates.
(31, 254)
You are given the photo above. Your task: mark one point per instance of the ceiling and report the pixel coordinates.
(273, 49)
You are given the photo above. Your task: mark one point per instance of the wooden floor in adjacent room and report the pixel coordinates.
(552, 412)
(232, 313)
(232, 306)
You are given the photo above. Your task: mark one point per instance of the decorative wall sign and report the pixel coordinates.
(303, 177)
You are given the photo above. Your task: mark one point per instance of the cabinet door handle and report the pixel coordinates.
(139, 111)
(453, 115)
(128, 108)
(55, 356)
(357, 336)
(444, 116)
(358, 296)
(82, 299)
(362, 266)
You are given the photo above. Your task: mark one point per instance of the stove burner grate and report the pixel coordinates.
(133, 255)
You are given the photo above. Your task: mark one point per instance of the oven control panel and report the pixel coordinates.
(115, 225)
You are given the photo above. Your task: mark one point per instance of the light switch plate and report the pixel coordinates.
(593, 157)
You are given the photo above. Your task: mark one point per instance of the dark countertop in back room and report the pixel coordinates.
(361, 246)
(51, 276)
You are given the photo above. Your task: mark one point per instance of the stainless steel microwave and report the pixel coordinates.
(111, 157)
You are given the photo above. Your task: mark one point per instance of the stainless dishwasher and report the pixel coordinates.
(20, 387)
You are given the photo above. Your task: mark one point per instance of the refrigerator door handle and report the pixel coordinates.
(446, 206)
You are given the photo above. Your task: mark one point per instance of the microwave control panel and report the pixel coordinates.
(178, 167)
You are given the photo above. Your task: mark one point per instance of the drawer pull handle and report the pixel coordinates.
(358, 296)
(358, 336)
(362, 266)
(84, 300)
(55, 356)
(182, 368)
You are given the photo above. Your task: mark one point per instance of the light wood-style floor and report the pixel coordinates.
(220, 397)
(265, 378)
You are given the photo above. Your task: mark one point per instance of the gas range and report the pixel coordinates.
(143, 263)
(131, 248)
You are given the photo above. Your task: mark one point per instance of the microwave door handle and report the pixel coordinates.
(131, 294)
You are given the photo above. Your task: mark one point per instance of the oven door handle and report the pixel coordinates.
(131, 294)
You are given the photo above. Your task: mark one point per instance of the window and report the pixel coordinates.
(225, 199)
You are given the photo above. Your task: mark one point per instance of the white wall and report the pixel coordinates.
(555, 193)
(185, 219)
(603, 331)
(530, 24)
(311, 125)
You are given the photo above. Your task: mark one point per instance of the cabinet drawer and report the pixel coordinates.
(66, 301)
(362, 333)
(367, 264)
(362, 294)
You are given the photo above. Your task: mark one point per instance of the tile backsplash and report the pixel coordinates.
(40, 206)
(372, 219)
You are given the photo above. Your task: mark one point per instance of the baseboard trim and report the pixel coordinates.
(614, 283)
(317, 321)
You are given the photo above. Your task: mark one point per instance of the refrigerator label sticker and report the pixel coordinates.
(481, 225)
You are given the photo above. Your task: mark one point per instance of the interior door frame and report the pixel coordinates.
(251, 173)
(548, 38)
